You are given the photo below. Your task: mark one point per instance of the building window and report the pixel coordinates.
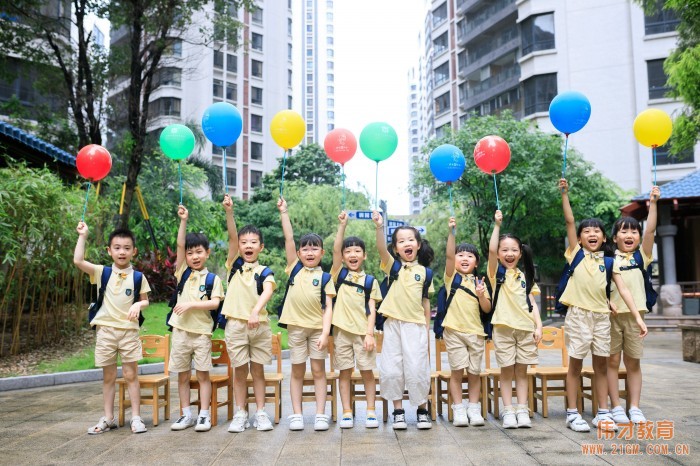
(231, 177)
(256, 41)
(309, 52)
(440, 44)
(658, 87)
(256, 68)
(257, 16)
(331, 65)
(231, 63)
(329, 16)
(330, 102)
(440, 14)
(331, 115)
(256, 123)
(231, 92)
(256, 95)
(441, 74)
(665, 20)
(310, 40)
(289, 102)
(537, 33)
(330, 77)
(218, 88)
(330, 52)
(289, 26)
(330, 90)
(230, 151)
(168, 77)
(174, 49)
(664, 157)
(442, 103)
(256, 150)
(289, 51)
(219, 59)
(289, 78)
(329, 29)
(329, 41)
(165, 106)
(309, 65)
(331, 127)
(255, 178)
(539, 91)
(309, 77)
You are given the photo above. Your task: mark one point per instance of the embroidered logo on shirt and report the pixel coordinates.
(128, 291)
(417, 277)
(201, 288)
(315, 282)
(633, 262)
(522, 283)
(359, 290)
(601, 268)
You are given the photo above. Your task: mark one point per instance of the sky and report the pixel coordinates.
(376, 43)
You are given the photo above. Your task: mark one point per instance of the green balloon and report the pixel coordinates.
(177, 141)
(378, 141)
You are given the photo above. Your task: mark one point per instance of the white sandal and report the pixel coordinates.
(137, 425)
(102, 426)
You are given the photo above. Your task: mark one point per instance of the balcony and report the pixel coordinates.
(485, 20)
(465, 6)
(491, 87)
(488, 52)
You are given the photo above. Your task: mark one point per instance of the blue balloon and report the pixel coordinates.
(222, 124)
(447, 163)
(569, 111)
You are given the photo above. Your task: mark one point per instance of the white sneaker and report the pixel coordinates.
(240, 422)
(296, 422)
(346, 421)
(459, 415)
(576, 423)
(474, 414)
(606, 422)
(371, 422)
(321, 422)
(636, 415)
(183, 423)
(508, 418)
(203, 424)
(262, 421)
(619, 416)
(523, 416)
(424, 421)
(399, 420)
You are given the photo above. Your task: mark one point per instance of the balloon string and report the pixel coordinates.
(653, 151)
(179, 170)
(376, 187)
(86, 201)
(495, 187)
(284, 164)
(342, 178)
(566, 147)
(452, 210)
(225, 175)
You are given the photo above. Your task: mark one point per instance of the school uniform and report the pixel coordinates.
(116, 334)
(464, 333)
(624, 331)
(404, 363)
(303, 315)
(350, 322)
(191, 336)
(513, 323)
(244, 344)
(587, 320)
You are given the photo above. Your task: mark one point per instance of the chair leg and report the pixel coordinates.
(484, 398)
(545, 397)
(122, 402)
(450, 414)
(229, 389)
(433, 404)
(214, 404)
(334, 401)
(167, 400)
(278, 404)
(385, 410)
(496, 396)
(531, 396)
(594, 396)
(154, 401)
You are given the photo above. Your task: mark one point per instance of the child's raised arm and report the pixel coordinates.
(181, 234)
(450, 252)
(79, 254)
(290, 248)
(231, 227)
(568, 213)
(650, 230)
(378, 220)
(338, 243)
(493, 244)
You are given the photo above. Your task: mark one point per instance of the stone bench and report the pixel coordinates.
(691, 342)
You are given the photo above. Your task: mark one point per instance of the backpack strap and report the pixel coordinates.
(500, 279)
(290, 282)
(104, 279)
(138, 280)
(394, 273)
(369, 282)
(261, 277)
(325, 278)
(609, 263)
(367, 287)
(457, 285)
(576, 261)
(428, 281)
(237, 266)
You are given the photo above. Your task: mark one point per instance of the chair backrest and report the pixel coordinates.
(378, 341)
(277, 350)
(156, 346)
(331, 348)
(439, 349)
(553, 339)
(219, 355)
(487, 353)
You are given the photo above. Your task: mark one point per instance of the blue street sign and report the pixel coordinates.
(360, 214)
(395, 223)
(421, 229)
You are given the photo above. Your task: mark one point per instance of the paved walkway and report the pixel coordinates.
(48, 426)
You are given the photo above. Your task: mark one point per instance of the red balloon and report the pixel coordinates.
(492, 154)
(340, 145)
(94, 162)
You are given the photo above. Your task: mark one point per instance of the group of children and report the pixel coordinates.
(601, 318)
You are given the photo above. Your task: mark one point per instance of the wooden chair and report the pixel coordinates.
(493, 384)
(356, 380)
(219, 355)
(273, 380)
(153, 346)
(308, 394)
(552, 340)
(587, 390)
(443, 393)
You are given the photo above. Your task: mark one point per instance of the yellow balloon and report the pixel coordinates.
(652, 127)
(287, 128)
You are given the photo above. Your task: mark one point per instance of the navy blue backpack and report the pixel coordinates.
(443, 304)
(649, 291)
(325, 278)
(104, 279)
(208, 288)
(236, 267)
(367, 288)
(389, 280)
(568, 271)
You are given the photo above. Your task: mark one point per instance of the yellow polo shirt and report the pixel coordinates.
(242, 295)
(195, 321)
(586, 287)
(633, 279)
(349, 311)
(303, 304)
(464, 312)
(118, 298)
(405, 298)
(512, 309)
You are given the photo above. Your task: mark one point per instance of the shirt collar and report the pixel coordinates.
(202, 272)
(626, 255)
(313, 269)
(248, 266)
(409, 264)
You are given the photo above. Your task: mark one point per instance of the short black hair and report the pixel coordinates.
(310, 239)
(625, 223)
(251, 230)
(590, 223)
(354, 241)
(467, 247)
(121, 233)
(192, 240)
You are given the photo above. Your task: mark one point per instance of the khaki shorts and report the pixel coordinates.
(514, 346)
(348, 348)
(112, 341)
(246, 345)
(188, 347)
(303, 344)
(464, 350)
(624, 335)
(587, 331)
